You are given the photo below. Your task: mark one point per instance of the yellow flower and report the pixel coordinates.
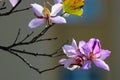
(73, 7)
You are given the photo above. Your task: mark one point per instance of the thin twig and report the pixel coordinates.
(50, 69)
(54, 54)
(36, 54)
(28, 64)
(28, 35)
(18, 34)
(21, 10)
(29, 42)
(21, 42)
(25, 61)
(59, 55)
(42, 33)
(3, 4)
(46, 39)
(2, 8)
(30, 53)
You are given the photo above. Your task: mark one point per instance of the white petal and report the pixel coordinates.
(58, 20)
(36, 22)
(69, 51)
(73, 67)
(56, 9)
(74, 44)
(67, 62)
(38, 9)
(13, 2)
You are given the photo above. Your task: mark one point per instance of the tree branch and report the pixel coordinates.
(50, 69)
(20, 10)
(27, 63)
(42, 33)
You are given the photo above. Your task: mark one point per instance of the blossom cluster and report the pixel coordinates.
(79, 56)
(82, 55)
(43, 14)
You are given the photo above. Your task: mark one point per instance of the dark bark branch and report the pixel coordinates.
(20, 10)
(31, 53)
(27, 63)
(49, 69)
(24, 41)
(42, 33)
(34, 39)
(28, 35)
(2, 8)
(18, 34)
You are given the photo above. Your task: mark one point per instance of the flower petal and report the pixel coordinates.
(57, 1)
(36, 22)
(58, 20)
(74, 44)
(56, 9)
(86, 65)
(91, 43)
(73, 67)
(38, 9)
(94, 45)
(104, 54)
(101, 64)
(13, 2)
(86, 50)
(69, 51)
(66, 62)
(81, 44)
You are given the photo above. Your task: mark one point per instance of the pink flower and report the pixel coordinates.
(74, 56)
(43, 15)
(93, 53)
(82, 55)
(13, 2)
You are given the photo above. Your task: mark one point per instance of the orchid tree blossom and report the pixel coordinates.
(93, 53)
(13, 2)
(44, 15)
(74, 56)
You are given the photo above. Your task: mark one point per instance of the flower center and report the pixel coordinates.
(78, 61)
(94, 56)
(46, 12)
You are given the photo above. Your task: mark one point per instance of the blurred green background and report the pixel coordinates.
(100, 20)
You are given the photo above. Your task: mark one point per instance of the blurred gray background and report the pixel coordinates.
(100, 20)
